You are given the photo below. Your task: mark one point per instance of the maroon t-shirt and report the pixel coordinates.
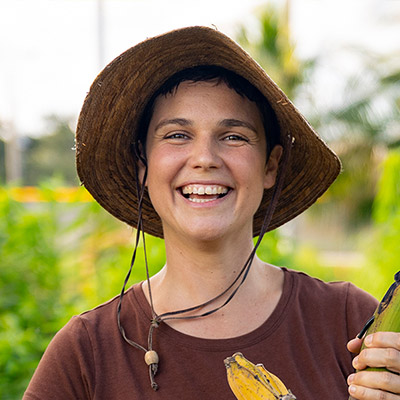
(303, 342)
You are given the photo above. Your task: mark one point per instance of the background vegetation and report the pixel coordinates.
(59, 258)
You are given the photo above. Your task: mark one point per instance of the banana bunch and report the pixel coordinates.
(386, 317)
(253, 382)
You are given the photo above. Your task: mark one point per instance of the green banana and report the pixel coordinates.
(386, 317)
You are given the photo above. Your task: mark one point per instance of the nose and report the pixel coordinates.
(205, 154)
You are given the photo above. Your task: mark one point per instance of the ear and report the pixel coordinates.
(271, 169)
(141, 171)
(142, 163)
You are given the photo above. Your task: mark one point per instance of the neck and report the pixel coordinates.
(197, 272)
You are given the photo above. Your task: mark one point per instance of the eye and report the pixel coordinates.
(235, 138)
(177, 135)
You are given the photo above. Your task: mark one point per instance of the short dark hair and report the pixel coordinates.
(205, 73)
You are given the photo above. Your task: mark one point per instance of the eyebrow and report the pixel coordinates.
(227, 122)
(232, 122)
(173, 121)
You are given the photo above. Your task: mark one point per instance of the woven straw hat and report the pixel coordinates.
(111, 112)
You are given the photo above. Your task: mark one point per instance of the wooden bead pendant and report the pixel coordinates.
(151, 357)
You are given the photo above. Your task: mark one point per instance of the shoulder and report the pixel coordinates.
(81, 352)
(80, 328)
(97, 318)
(333, 301)
(310, 287)
(88, 329)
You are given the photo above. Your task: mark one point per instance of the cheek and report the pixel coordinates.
(251, 166)
(250, 177)
(162, 169)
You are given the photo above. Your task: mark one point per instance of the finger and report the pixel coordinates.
(378, 358)
(363, 393)
(382, 380)
(383, 339)
(354, 345)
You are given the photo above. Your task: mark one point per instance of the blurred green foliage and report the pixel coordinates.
(2, 163)
(57, 260)
(30, 306)
(50, 155)
(382, 246)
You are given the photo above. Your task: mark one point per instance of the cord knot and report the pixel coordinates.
(155, 322)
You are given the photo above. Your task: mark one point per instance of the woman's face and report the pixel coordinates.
(206, 153)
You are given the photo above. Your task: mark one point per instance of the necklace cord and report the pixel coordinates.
(157, 319)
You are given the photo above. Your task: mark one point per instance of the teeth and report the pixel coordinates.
(199, 200)
(221, 190)
(202, 190)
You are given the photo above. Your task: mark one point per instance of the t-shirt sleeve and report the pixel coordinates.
(360, 306)
(66, 368)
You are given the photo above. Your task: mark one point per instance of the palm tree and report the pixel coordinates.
(363, 125)
(274, 50)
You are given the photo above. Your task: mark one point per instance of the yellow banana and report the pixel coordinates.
(253, 382)
(386, 317)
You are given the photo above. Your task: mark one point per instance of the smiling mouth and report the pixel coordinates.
(203, 193)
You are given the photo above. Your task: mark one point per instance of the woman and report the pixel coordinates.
(185, 137)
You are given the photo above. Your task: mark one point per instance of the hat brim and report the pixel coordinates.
(109, 119)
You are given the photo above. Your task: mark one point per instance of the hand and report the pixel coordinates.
(382, 350)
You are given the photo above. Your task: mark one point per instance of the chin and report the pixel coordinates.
(199, 233)
(216, 233)
(205, 235)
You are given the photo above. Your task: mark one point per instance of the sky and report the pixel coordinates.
(49, 49)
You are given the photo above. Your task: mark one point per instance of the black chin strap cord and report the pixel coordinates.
(151, 357)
